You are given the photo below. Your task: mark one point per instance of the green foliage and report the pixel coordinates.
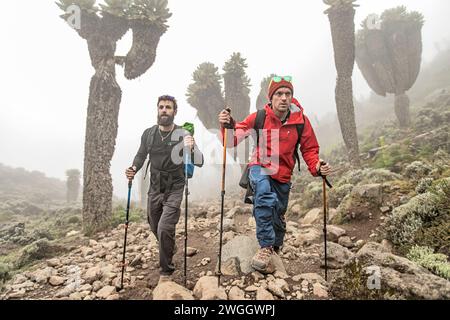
(339, 4)
(40, 249)
(206, 77)
(400, 14)
(425, 219)
(235, 67)
(117, 8)
(435, 262)
(154, 11)
(417, 170)
(88, 5)
(119, 215)
(5, 270)
(423, 185)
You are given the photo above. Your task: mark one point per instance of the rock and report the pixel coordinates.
(200, 214)
(53, 262)
(280, 275)
(205, 261)
(370, 192)
(375, 273)
(105, 292)
(334, 233)
(337, 255)
(93, 243)
(92, 274)
(360, 243)
(75, 296)
(309, 277)
(111, 245)
(296, 210)
(282, 284)
(313, 216)
(227, 236)
(276, 264)
(56, 281)
(387, 244)
(275, 289)
(171, 291)
(251, 222)
(87, 251)
(72, 233)
(231, 267)
(243, 248)
(263, 294)
(319, 290)
(228, 225)
(42, 275)
(207, 288)
(345, 241)
(256, 275)
(113, 297)
(191, 251)
(251, 288)
(207, 235)
(384, 209)
(231, 213)
(65, 292)
(307, 236)
(97, 285)
(236, 294)
(291, 227)
(136, 261)
(17, 294)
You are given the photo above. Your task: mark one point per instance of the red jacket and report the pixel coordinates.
(286, 134)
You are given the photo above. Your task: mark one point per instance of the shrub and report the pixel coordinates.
(435, 262)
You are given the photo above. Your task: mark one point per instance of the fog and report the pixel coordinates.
(46, 72)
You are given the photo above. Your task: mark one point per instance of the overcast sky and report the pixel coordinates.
(46, 70)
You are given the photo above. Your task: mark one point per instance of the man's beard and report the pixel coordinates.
(165, 121)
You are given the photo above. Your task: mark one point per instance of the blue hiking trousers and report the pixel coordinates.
(269, 207)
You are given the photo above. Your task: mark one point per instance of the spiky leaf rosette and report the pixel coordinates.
(263, 98)
(389, 58)
(153, 11)
(237, 86)
(205, 94)
(117, 8)
(339, 4)
(148, 22)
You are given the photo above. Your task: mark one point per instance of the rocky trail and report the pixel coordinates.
(92, 267)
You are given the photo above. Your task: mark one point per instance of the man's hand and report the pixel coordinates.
(189, 142)
(130, 172)
(225, 117)
(323, 168)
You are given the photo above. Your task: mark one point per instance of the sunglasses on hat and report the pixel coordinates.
(278, 78)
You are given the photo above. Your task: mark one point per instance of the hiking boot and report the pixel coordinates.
(261, 260)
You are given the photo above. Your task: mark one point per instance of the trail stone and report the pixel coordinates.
(236, 294)
(56, 280)
(319, 290)
(337, 255)
(275, 289)
(313, 216)
(207, 288)
(191, 251)
(345, 241)
(243, 248)
(263, 294)
(105, 292)
(334, 233)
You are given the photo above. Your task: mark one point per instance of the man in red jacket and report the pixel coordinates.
(273, 161)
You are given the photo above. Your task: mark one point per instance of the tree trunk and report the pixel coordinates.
(402, 110)
(343, 35)
(346, 116)
(101, 133)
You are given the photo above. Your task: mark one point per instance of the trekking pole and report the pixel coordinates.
(186, 158)
(324, 183)
(130, 182)
(219, 273)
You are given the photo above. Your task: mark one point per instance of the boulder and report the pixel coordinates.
(169, 290)
(207, 288)
(243, 248)
(375, 273)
